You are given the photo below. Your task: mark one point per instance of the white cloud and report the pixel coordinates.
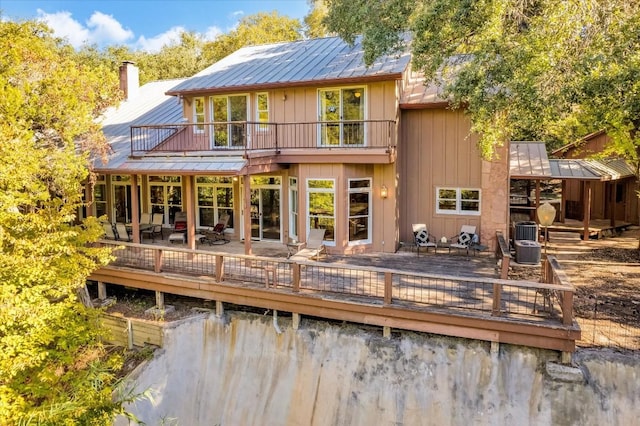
(154, 44)
(212, 33)
(104, 28)
(100, 29)
(237, 14)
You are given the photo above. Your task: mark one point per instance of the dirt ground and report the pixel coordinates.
(605, 273)
(606, 276)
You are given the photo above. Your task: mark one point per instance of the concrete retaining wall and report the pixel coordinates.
(239, 370)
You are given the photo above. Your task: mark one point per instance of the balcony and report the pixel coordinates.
(243, 138)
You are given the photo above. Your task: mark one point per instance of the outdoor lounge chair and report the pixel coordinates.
(314, 246)
(216, 235)
(464, 239)
(155, 228)
(422, 238)
(109, 233)
(121, 232)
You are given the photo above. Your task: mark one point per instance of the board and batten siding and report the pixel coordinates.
(436, 149)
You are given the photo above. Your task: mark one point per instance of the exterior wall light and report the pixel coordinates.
(384, 192)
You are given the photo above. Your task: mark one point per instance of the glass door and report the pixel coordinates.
(265, 214)
(229, 113)
(342, 117)
(122, 202)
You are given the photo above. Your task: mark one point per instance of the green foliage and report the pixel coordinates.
(313, 21)
(53, 368)
(543, 69)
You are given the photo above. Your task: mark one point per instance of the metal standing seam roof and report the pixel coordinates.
(290, 64)
(150, 106)
(185, 165)
(528, 159)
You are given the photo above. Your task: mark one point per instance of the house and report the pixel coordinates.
(288, 137)
(614, 197)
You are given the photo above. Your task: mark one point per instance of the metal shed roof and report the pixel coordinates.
(185, 165)
(290, 64)
(528, 159)
(417, 94)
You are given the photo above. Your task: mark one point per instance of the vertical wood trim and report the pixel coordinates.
(612, 203)
(191, 211)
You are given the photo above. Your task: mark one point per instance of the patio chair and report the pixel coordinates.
(422, 238)
(145, 219)
(121, 232)
(216, 235)
(314, 246)
(155, 228)
(179, 231)
(109, 233)
(464, 239)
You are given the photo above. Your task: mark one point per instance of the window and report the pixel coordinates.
(342, 115)
(262, 110)
(165, 195)
(215, 199)
(360, 210)
(100, 196)
(198, 115)
(293, 208)
(321, 202)
(458, 201)
(230, 115)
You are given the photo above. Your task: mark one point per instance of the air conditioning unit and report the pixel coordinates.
(525, 231)
(527, 252)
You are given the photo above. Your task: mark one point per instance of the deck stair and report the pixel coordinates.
(564, 237)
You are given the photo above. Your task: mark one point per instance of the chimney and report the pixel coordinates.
(129, 79)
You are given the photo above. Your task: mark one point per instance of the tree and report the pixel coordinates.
(313, 21)
(540, 69)
(261, 28)
(53, 369)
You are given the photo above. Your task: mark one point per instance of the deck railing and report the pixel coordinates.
(235, 136)
(476, 295)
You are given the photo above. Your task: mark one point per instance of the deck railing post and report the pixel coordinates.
(158, 255)
(497, 300)
(388, 288)
(567, 307)
(295, 267)
(219, 268)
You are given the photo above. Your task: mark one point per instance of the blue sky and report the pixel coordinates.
(142, 24)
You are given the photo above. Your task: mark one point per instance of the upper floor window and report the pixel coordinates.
(229, 113)
(262, 110)
(341, 112)
(198, 115)
(458, 201)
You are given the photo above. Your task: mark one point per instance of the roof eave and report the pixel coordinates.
(286, 84)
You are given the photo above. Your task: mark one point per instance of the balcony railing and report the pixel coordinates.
(246, 136)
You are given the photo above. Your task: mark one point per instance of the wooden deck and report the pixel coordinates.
(598, 228)
(465, 301)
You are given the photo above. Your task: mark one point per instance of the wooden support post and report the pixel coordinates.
(191, 211)
(565, 358)
(102, 291)
(135, 209)
(586, 210)
(159, 300)
(612, 204)
(246, 179)
(296, 276)
(129, 334)
(295, 320)
(388, 288)
(219, 268)
(157, 257)
(497, 298)
(567, 307)
(563, 200)
(386, 332)
(219, 308)
(495, 347)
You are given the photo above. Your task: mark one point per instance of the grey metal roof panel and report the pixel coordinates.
(150, 106)
(528, 160)
(184, 165)
(294, 62)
